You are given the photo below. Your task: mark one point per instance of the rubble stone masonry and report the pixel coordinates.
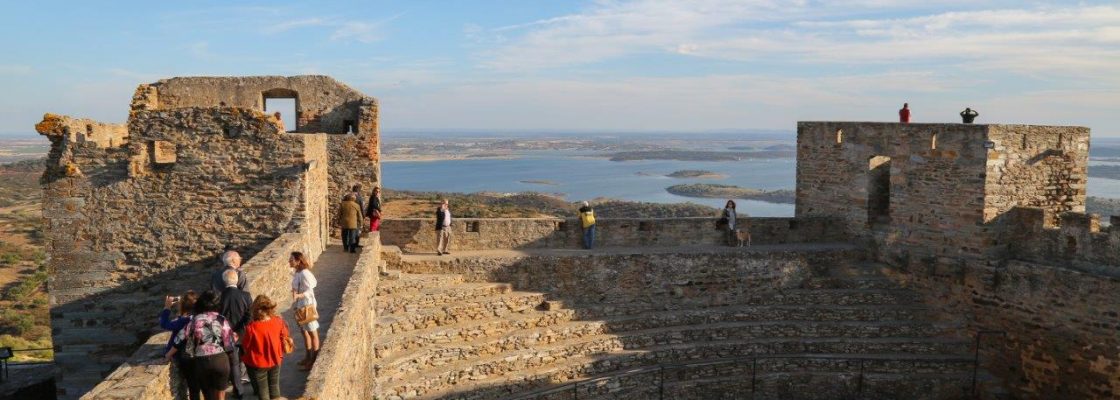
(130, 218)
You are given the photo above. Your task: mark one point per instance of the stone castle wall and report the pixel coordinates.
(323, 105)
(1060, 324)
(417, 234)
(129, 221)
(947, 186)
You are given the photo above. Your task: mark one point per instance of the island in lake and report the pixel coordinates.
(539, 182)
(697, 155)
(711, 190)
(696, 173)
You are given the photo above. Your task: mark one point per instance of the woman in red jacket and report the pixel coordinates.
(263, 347)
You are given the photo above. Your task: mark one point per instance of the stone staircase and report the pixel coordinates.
(847, 332)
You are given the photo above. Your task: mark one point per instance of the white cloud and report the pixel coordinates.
(1071, 40)
(365, 32)
(293, 24)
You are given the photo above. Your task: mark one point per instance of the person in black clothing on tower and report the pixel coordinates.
(373, 209)
(969, 115)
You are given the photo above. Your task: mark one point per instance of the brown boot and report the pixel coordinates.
(311, 363)
(306, 358)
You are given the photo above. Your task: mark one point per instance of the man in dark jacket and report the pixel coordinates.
(235, 309)
(443, 228)
(230, 261)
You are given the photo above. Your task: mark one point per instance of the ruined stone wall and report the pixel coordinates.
(1061, 325)
(323, 105)
(1077, 241)
(949, 184)
(127, 224)
(1037, 166)
(936, 191)
(418, 235)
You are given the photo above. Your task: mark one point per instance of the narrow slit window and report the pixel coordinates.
(839, 136)
(933, 142)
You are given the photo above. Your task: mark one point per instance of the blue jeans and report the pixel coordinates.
(589, 237)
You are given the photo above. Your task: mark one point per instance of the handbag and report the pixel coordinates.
(306, 314)
(287, 342)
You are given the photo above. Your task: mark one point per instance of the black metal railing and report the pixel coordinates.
(753, 360)
(7, 353)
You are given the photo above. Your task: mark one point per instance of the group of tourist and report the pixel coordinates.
(967, 116)
(352, 212)
(215, 333)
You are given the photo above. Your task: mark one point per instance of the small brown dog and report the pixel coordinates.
(744, 236)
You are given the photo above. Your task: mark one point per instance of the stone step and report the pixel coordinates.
(408, 341)
(612, 352)
(497, 306)
(476, 384)
(763, 313)
(849, 283)
(574, 332)
(440, 295)
(409, 283)
(790, 297)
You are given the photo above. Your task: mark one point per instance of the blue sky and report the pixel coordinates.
(639, 65)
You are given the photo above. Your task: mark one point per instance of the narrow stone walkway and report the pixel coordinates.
(332, 271)
(764, 248)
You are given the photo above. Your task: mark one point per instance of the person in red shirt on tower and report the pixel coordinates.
(904, 113)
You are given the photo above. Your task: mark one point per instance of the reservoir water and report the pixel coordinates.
(578, 177)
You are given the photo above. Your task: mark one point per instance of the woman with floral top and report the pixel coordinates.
(205, 343)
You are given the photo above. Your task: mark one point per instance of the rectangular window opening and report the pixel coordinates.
(472, 226)
(286, 106)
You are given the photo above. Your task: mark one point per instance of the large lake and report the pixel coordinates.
(579, 177)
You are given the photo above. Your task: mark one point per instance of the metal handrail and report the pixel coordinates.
(574, 386)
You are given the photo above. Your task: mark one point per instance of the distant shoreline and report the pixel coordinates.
(709, 190)
(446, 157)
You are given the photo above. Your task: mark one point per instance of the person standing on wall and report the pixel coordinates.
(969, 115)
(206, 342)
(904, 114)
(356, 190)
(264, 347)
(727, 218)
(279, 121)
(349, 217)
(373, 209)
(587, 221)
(235, 309)
(443, 228)
(305, 306)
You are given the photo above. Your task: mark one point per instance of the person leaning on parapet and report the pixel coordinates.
(904, 114)
(183, 308)
(969, 115)
(235, 309)
(727, 218)
(356, 190)
(373, 209)
(443, 228)
(230, 260)
(349, 217)
(587, 222)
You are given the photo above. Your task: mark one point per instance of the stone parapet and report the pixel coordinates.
(418, 235)
(345, 369)
(1077, 241)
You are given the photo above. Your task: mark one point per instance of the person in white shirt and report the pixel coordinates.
(443, 228)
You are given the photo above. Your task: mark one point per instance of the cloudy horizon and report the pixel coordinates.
(618, 66)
